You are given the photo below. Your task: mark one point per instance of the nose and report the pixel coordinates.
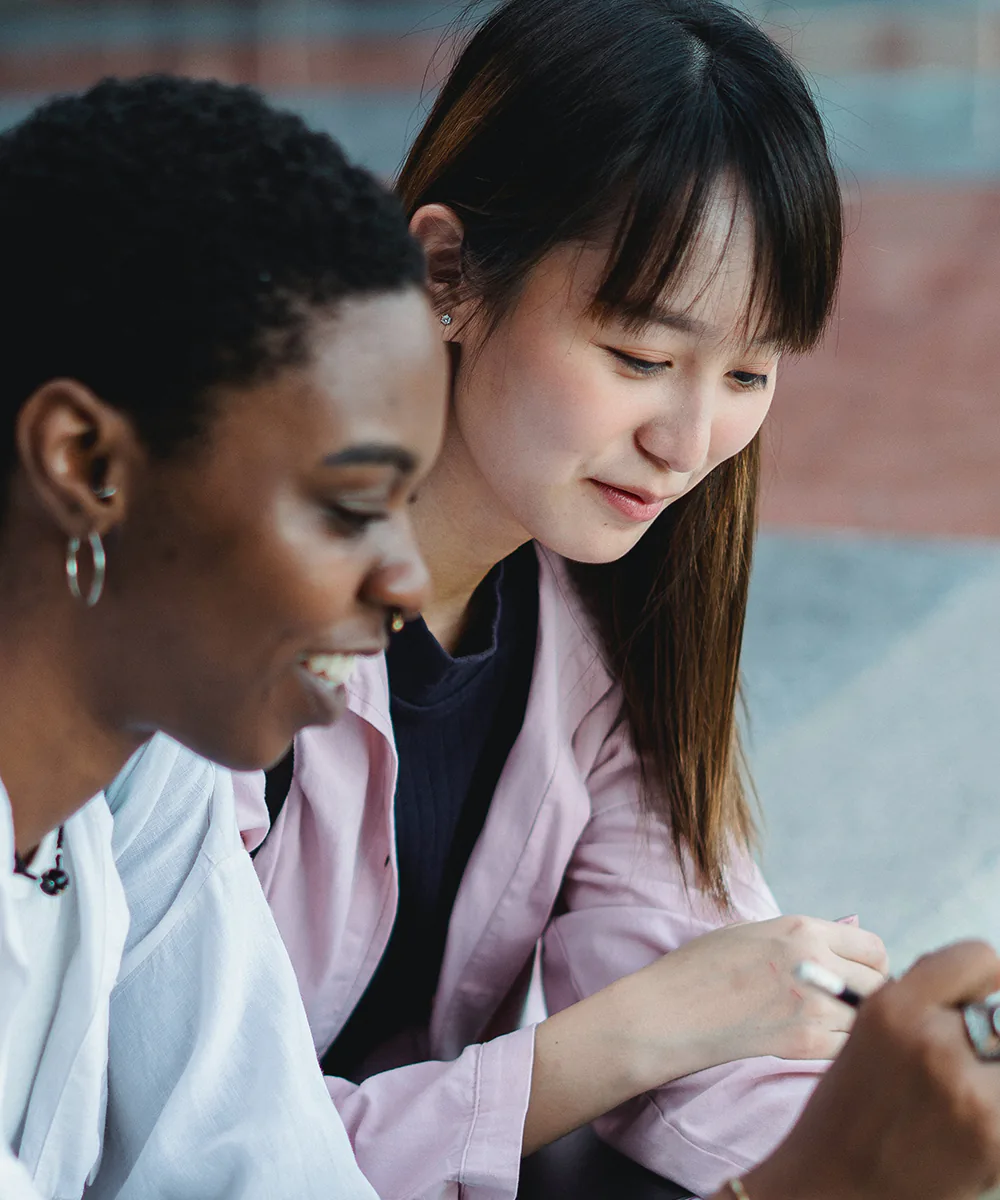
(399, 579)
(678, 436)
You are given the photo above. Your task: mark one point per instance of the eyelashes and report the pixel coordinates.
(349, 522)
(643, 368)
(748, 381)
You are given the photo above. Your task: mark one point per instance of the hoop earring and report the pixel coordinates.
(73, 569)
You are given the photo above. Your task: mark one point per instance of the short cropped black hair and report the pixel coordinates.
(162, 236)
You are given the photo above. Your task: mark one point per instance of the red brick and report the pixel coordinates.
(895, 423)
(350, 63)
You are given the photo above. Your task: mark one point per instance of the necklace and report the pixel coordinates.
(55, 879)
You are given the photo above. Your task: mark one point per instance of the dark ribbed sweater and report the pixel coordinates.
(455, 720)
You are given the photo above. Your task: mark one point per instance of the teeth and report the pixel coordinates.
(332, 669)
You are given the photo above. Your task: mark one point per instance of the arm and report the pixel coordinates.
(214, 1088)
(907, 1110)
(613, 1040)
(461, 1123)
(443, 1129)
(634, 1012)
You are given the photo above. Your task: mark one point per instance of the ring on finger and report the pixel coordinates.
(982, 1024)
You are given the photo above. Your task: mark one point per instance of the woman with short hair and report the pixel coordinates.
(218, 359)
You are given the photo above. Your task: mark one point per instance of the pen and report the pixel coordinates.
(825, 981)
(982, 1021)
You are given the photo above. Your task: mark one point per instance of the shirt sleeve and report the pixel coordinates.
(213, 1086)
(430, 1130)
(626, 903)
(444, 1130)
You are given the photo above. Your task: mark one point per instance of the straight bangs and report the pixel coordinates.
(623, 124)
(778, 178)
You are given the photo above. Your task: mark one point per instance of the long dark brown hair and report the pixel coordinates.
(559, 117)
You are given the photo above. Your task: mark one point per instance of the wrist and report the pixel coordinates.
(656, 1042)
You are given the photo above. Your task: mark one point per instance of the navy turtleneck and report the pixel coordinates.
(455, 720)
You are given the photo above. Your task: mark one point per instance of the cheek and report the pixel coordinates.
(734, 429)
(244, 582)
(537, 414)
(300, 579)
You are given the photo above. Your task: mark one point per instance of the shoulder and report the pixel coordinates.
(174, 823)
(165, 786)
(162, 766)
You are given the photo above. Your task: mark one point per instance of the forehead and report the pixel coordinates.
(376, 374)
(377, 369)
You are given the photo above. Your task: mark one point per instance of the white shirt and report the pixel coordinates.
(210, 1081)
(63, 1120)
(48, 927)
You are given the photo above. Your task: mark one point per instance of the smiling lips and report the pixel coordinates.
(331, 670)
(635, 506)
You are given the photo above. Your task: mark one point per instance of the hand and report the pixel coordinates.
(737, 996)
(907, 1110)
(726, 995)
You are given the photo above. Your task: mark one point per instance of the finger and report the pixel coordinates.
(838, 1041)
(819, 1044)
(858, 945)
(959, 974)
(838, 1018)
(861, 979)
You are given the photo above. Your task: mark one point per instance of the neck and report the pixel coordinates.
(55, 752)
(463, 533)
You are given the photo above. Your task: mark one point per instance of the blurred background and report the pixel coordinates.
(873, 649)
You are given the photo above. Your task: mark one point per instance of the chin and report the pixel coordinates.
(265, 758)
(590, 546)
(237, 750)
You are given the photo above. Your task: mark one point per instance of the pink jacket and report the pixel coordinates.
(564, 862)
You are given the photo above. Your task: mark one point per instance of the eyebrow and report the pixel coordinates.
(373, 455)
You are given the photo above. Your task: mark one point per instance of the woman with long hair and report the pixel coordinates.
(218, 356)
(222, 383)
(630, 214)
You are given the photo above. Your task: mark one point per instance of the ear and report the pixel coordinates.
(77, 455)
(441, 233)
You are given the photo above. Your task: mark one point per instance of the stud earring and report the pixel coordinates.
(105, 493)
(446, 319)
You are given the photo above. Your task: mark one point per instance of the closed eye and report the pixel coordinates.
(643, 367)
(749, 381)
(350, 522)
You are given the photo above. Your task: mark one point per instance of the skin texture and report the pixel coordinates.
(907, 1110)
(726, 995)
(226, 563)
(543, 406)
(555, 399)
